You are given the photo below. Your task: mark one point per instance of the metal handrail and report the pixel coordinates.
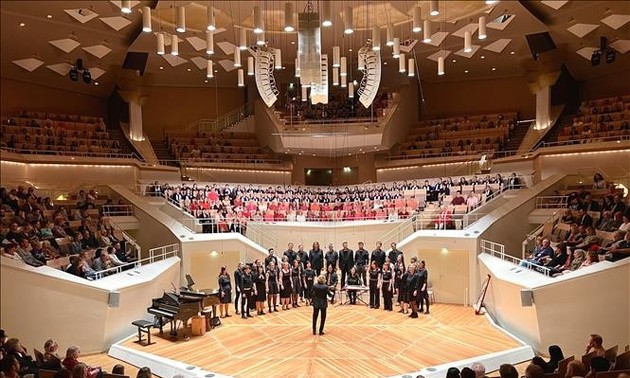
(580, 140)
(117, 210)
(498, 250)
(224, 121)
(155, 254)
(552, 202)
(72, 153)
(126, 236)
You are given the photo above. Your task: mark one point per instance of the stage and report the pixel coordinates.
(359, 342)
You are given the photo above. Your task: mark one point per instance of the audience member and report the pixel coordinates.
(507, 371)
(72, 359)
(479, 369)
(594, 344)
(534, 371)
(575, 369)
(144, 372)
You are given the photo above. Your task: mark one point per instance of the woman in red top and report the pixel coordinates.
(71, 360)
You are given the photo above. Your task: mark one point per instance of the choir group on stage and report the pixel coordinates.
(293, 275)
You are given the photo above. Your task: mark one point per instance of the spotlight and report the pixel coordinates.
(596, 58)
(87, 77)
(74, 74)
(610, 55)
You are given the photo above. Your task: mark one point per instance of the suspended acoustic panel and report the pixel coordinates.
(309, 48)
(319, 93)
(265, 82)
(368, 88)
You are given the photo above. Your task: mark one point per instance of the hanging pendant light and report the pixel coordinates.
(304, 93)
(243, 39)
(336, 56)
(434, 7)
(181, 19)
(260, 39)
(146, 20)
(250, 66)
(289, 16)
(396, 52)
(390, 35)
(258, 20)
(209, 70)
(297, 66)
(209, 42)
(376, 38)
(125, 6)
(467, 42)
(347, 20)
(241, 78)
(278, 59)
(344, 66)
(427, 31)
(335, 76)
(212, 24)
(482, 27)
(440, 65)
(160, 43)
(417, 19)
(326, 13)
(411, 69)
(402, 63)
(344, 81)
(350, 90)
(174, 44)
(237, 57)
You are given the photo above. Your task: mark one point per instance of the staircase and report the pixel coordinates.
(125, 146)
(516, 136)
(163, 152)
(552, 135)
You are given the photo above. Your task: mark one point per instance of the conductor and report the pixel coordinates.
(320, 303)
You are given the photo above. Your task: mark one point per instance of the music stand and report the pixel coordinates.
(190, 282)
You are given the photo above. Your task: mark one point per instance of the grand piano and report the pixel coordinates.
(177, 309)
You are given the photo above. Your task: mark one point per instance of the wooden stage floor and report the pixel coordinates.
(358, 342)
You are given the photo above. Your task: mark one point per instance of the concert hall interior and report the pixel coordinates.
(315, 188)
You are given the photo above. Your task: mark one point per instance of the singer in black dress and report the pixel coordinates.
(309, 279)
(247, 290)
(272, 286)
(374, 276)
(286, 285)
(225, 290)
(261, 290)
(387, 286)
(399, 270)
(296, 278)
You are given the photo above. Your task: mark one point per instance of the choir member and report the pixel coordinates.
(286, 285)
(423, 284)
(375, 276)
(413, 278)
(362, 259)
(331, 281)
(296, 280)
(225, 289)
(260, 280)
(316, 256)
(399, 270)
(353, 279)
(272, 286)
(248, 291)
(309, 278)
(387, 286)
(238, 273)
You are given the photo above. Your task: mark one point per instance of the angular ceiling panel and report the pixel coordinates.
(96, 72)
(227, 47)
(461, 52)
(197, 43)
(66, 45)
(581, 30)
(498, 46)
(82, 15)
(621, 45)
(29, 64)
(227, 65)
(472, 28)
(587, 52)
(434, 57)
(501, 22)
(98, 51)
(201, 63)
(438, 38)
(174, 60)
(555, 4)
(61, 68)
(117, 23)
(616, 21)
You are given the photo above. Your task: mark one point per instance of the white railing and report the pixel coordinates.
(223, 122)
(117, 210)
(128, 239)
(530, 238)
(155, 254)
(552, 202)
(498, 250)
(256, 233)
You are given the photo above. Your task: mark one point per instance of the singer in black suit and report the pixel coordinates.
(320, 303)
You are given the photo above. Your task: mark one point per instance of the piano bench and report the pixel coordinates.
(144, 326)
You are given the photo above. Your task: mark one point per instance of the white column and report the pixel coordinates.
(543, 107)
(135, 119)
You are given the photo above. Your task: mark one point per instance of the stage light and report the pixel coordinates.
(160, 43)
(482, 28)
(326, 13)
(125, 6)
(289, 16)
(611, 55)
(209, 42)
(146, 19)
(435, 8)
(181, 19)
(347, 21)
(87, 77)
(596, 58)
(74, 74)
(376, 38)
(417, 19)
(258, 20)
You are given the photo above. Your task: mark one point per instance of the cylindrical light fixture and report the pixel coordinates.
(344, 66)
(326, 13)
(417, 19)
(434, 8)
(335, 76)
(241, 78)
(237, 57)
(174, 44)
(350, 90)
(125, 6)
(258, 20)
(278, 59)
(402, 63)
(440, 65)
(212, 23)
(411, 67)
(490, 2)
(347, 20)
(467, 42)
(376, 38)
(390, 35)
(209, 70)
(209, 42)
(297, 67)
(396, 52)
(289, 16)
(344, 81)
(260, 39)
(146, 19)
(243, 39)
(181, 19)
(304, 93)
(427, 31)
(482, 27)
(360, 62)
(250, 66)
(160, 43)
(336, 56)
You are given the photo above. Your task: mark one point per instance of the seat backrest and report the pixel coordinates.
(39, 357)
(622, 361)
(611, 373)
(45, 373)
(110, 375)
(586, 359)
(611, 353)
(563, 364)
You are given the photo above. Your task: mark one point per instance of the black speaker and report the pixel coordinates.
(540, 43)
